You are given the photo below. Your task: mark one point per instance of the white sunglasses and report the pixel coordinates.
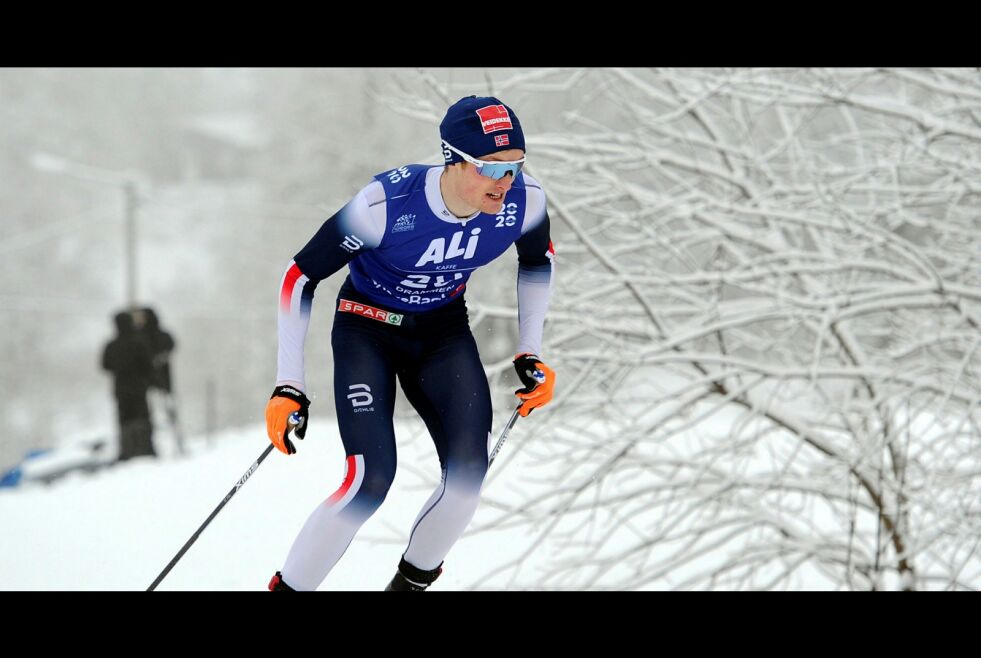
(491, 169)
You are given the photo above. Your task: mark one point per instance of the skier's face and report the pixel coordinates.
(483, 193)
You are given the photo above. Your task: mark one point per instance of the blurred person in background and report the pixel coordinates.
(162, 344)
(128, 359)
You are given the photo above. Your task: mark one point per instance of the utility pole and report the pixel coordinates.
(127, 181)
(129, 190)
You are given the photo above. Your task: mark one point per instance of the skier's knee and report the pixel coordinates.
(468, 473)
(376, 483)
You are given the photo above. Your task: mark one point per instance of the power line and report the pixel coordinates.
(54, 230)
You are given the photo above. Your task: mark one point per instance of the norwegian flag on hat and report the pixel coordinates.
(501, 140)
(494, 118)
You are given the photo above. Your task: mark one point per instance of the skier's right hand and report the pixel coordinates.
(284, 401)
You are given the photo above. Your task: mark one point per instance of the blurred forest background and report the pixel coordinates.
(233, 169)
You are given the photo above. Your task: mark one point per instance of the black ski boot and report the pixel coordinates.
(277, 584)
(410, 579)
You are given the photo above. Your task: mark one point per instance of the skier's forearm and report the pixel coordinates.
(295, 300)
(536, 275)
(534, 293)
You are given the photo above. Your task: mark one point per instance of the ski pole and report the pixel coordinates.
(504, 436)
(294, 421)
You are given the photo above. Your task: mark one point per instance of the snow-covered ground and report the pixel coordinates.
(116, 529)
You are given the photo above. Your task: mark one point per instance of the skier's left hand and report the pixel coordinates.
(539, 381)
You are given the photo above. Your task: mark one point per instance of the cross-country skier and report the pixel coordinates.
(411, 239)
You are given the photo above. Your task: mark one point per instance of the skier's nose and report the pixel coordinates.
(504, 184)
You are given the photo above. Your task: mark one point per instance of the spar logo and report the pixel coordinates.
(494, 118)
(347, 306)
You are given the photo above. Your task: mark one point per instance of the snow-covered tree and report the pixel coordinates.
(766, 328)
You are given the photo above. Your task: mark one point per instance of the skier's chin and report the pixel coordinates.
(493, 206)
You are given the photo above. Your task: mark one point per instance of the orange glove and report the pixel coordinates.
(280, 419)
(539, 381)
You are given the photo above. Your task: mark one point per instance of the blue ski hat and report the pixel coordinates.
(479, 126)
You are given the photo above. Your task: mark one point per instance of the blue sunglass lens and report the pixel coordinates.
(498, 171)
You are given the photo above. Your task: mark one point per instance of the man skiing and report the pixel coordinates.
(411, 239)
